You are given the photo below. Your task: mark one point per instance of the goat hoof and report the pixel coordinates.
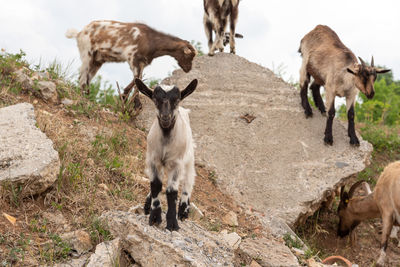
(155, 217)
(183, 212)
(308, 114)
(147, 206)
(323, 113)
(328, 140)
(354, 142)
(233, 52)
(172, 225)
(211, 54)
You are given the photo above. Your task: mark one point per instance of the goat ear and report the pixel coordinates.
(143, 88)
(378, 70)
(189, 89)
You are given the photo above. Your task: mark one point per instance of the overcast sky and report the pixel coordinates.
(272, 29)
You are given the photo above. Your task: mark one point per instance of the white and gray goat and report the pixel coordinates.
(383, 202)
(104, 41)
(216, 15)
(335, 67)
(170, 147)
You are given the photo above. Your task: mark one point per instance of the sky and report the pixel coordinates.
(272, 30)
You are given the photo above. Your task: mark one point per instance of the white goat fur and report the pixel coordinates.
(175, 155)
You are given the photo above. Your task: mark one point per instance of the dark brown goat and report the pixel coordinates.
(112, 41)
(335, 67)
(216, 15)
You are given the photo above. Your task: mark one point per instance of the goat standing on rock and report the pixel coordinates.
(383, 202)
(170, 147)
(335, 67)
(216, 14)
(112, 41)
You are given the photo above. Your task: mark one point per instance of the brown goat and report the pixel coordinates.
(112, 41)
(383, 202)
(335, 67)
(216, 14)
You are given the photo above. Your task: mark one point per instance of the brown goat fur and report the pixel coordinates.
(216, 15)
(383, 202)
(334, 66)
(112, 41)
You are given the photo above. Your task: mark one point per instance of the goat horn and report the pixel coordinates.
(354, 187)
(362, 61)
(341, 192)
(372, 61)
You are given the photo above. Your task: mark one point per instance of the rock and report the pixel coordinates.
(24, 80)
(195, 213)
(268, 252)
(79, 262)
(254, 264)
(138, 209)
(298, 252)
(156, 246)
(278, 163)
(67, 102)
(107, 254)
(48, 90)
(313, 263)
(232, 239)
(230, 219)
(57, 218)
(27, 157)
(79, 240)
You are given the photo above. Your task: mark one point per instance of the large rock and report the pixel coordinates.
(106, 255)
(278, 163)
(27, 157)
(268, 252)
(152, 246)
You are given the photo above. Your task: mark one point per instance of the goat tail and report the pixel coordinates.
(71, 33)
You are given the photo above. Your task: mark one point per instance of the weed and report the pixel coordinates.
(212, 176)
(99, 231)
(292, 242)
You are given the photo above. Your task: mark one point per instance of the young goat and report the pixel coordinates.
(112, 41)
(216, 13)
(383, 202)
(169, 147)
(335, 67)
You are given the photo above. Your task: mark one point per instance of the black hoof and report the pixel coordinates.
(155, 216)
(172, 223)
(328, 140)
(354, 142)
(308, 114)
(211, 54)
(323, 113)
(183, 212)
(147, 206)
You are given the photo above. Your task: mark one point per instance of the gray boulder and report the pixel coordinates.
(27, 157)
(153, 246)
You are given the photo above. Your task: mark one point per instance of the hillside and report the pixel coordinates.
(262, 169)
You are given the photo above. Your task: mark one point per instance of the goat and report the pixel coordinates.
(216, 13)
(169, 146)
(112, 41)
(335, 67)
(383, 202)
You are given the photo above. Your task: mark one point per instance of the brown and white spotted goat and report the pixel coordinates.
(112, 41)
(216, 15)
(335, 67)
(383, 202)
